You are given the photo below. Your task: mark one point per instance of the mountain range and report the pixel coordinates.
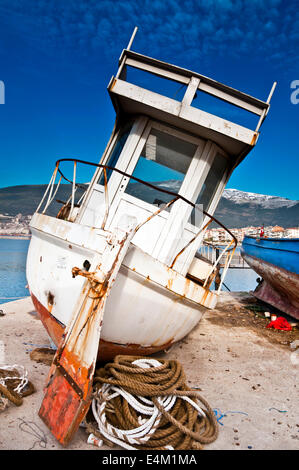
(236, 208)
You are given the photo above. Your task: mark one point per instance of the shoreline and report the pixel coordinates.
(15, 237)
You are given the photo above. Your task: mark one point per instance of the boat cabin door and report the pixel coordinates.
(171, 160)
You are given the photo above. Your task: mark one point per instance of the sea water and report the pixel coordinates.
(13, 253)
(240, 279)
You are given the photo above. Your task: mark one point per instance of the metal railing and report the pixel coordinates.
(208, 251)
(70, 204)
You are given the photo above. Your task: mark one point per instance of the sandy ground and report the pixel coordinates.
(247, 373)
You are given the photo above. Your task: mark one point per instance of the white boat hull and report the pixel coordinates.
(150, 306)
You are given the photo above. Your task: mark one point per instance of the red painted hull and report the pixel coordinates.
(107, 350)
(279, 287)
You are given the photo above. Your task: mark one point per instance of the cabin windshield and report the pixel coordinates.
(212, 181)
(211, 184)
(164, 162)
(116, 151)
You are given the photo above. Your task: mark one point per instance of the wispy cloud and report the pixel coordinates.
(168, 28)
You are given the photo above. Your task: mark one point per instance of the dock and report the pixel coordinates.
(246, 372)
(237, 262)
(211, 253)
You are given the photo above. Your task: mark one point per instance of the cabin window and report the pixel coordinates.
(211, 183)
(164, 162)
(116, 151)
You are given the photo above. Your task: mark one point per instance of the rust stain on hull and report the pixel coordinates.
(50, 299)
(107, 350)
(280, 287)
(69, 389)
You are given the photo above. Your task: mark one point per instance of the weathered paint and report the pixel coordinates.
(69, 389)
(128, 95)
(276, 260)
(129, 321)
(61, 407)
(254, 138)
(107, 349)
(281, 252)
(281, 287)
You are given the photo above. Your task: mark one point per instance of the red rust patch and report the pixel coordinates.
(62, 412)
(254, 138)
(71, 363)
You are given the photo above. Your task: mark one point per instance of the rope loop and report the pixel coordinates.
(14, 385)
(144, 403)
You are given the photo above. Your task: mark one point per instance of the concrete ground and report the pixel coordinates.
(246, 372)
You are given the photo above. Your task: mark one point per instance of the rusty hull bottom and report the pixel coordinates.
(107, 350)
(279, 287)
(266, 293)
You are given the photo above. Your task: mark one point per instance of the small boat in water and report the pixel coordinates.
(165, 159)
(276, 260)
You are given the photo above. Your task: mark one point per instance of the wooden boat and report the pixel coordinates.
(165, 161)
(276, 260)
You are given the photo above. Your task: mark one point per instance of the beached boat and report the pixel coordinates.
(164, 161)
(276, 260)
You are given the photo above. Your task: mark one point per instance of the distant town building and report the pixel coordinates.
(277, 232)
(219, 235)
(19, 226)
(15, 226)
(292, 232)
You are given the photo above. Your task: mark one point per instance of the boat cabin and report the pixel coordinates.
(173, 146)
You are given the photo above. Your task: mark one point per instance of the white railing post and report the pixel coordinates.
(73, 190)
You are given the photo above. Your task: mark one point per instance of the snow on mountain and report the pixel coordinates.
(267, 202)
(238, 197)
(171, 185)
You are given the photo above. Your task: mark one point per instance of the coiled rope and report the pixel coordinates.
(14, 385)
(143, 403)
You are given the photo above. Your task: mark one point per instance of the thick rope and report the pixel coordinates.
(143, 403)
(14, 385)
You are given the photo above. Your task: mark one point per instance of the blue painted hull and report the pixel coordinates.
(281, 252)
(277, 262)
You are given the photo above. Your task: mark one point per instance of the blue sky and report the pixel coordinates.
(57, 57)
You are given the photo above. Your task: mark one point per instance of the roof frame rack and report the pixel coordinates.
(184, 76)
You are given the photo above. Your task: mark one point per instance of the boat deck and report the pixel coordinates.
(245, 371)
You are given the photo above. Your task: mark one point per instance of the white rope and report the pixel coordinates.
(23, 376)
(142, 433)
(3, 402)
(142, 405)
